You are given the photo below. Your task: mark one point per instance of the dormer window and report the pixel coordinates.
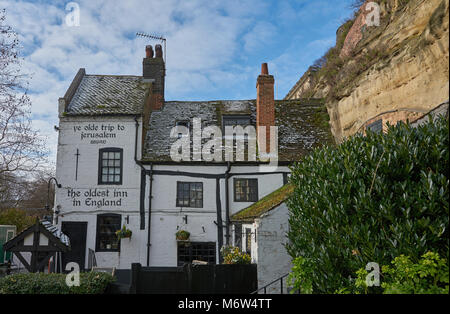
(233, 120)
(185, 124)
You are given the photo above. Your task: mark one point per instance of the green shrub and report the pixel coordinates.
(370, 199)
(40, 283)
(300, 279)
(429, 276)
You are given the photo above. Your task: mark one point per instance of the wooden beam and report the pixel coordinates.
(30, 248)
(23, 261)
(44, 261)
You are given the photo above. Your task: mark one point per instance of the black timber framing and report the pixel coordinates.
(16, 246)
(226, 175)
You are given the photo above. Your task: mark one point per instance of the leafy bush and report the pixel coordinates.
(370, 199)
(232, 255)
(429, 276)
(299, 279)
(40, 283)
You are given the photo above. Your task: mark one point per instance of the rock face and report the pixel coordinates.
(408, 73)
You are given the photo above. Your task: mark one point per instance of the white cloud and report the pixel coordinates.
(260, 36)
(204, 40)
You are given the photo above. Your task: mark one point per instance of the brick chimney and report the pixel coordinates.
(265, 104)
(154, 68)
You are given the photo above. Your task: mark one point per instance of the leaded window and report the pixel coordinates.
(190, 194)
(200, 251)
(110, 166)
(245, 190)
(107, 225)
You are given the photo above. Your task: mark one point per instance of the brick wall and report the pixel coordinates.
(265, 105)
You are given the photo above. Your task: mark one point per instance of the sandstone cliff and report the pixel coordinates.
(400, 65)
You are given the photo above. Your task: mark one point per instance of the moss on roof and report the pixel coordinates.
(264, 205)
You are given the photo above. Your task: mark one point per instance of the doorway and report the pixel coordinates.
(76, 231)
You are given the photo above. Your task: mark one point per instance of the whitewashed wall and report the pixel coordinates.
(73, 197)
(271, 256)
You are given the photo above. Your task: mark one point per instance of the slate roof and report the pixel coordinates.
(108, 95)
(264, 205)
(302, 124)
(56, 232)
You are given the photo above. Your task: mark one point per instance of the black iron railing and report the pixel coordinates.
(278, 280)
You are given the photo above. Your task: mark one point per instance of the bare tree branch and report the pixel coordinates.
(22, 149)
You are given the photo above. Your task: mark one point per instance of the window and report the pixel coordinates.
(190, 194)
(245, 190)
(233, 121)
(107, 225)
(236, 120)
(185, 124)
(110, 166)
(376, 126)
(200, 251)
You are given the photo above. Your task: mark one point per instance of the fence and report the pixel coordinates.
(194, 279)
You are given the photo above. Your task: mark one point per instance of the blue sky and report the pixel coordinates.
(214, 48)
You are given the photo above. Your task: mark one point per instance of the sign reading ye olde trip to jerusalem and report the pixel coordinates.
(98, 133)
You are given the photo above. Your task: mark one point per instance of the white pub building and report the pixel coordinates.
(115, 166)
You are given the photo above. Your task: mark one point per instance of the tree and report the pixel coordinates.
(22, 149)
(17, 217)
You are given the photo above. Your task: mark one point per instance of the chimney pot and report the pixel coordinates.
(158, 50)
(154, 69)
(265, 104)
(264, 69)
(149, 51)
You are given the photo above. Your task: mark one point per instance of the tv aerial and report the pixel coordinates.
(155, 37)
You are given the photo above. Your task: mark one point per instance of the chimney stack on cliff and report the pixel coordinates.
(265, 104)
(154, 68)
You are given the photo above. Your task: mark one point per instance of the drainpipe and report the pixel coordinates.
(138, 162)
(149, 214)
(143, 176)
(227, 204)
(219, 220)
